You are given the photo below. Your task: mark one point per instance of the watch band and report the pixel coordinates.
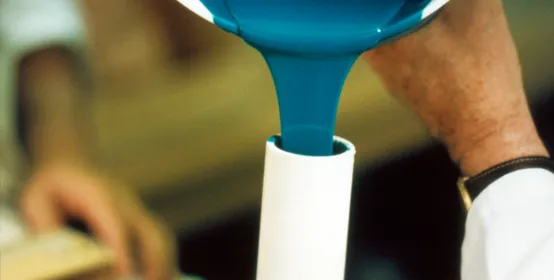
(471, 187)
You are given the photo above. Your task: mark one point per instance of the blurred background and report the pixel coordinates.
(182, 111)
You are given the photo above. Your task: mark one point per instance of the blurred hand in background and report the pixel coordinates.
(65, 181)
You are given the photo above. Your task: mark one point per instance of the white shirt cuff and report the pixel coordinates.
(510, 229)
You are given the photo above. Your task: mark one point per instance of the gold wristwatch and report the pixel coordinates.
(471, 187)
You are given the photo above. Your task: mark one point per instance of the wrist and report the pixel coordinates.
(61, 162)
(497, 147)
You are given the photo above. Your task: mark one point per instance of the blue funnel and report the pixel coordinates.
(310, 46)
(349, 24)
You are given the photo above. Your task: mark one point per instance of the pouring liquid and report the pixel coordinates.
(310, 47)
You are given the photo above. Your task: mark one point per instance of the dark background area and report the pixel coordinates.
(406, 221)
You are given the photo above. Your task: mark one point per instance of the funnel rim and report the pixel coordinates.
(197, 7)
(433, 7)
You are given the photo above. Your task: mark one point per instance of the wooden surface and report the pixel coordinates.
(192, 142)
(58, 255)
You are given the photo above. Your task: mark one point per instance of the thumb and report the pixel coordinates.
(53, 193)
(86, 197)
(40, 210)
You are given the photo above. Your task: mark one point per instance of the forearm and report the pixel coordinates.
(461, 75)
(50, 95)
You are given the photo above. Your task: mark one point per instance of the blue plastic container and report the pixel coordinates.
(310, 47)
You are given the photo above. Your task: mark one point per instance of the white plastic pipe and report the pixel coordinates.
(305, 214)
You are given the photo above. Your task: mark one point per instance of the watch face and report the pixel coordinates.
(466, 198)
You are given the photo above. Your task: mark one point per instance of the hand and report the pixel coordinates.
(462, 76)
(113, 213)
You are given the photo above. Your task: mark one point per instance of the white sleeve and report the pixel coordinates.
(510, 229)
(27, 25)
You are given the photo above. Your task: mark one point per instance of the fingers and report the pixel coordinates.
(86, 198)
(81, 196)
(40, 210)
(111, 215)
(156, 248)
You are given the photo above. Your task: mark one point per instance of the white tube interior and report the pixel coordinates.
(305, 215)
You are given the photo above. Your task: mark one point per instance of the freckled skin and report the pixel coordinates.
(461, 75)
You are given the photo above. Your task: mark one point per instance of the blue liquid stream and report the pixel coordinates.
(310, 47)
(308, 92)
